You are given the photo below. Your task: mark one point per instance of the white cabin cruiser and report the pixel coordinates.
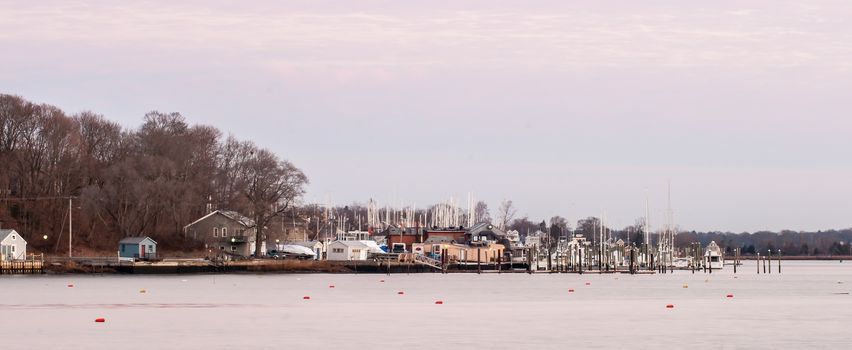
(713, 257)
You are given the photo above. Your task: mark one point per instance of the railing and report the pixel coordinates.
(408, 257)
(422, 259)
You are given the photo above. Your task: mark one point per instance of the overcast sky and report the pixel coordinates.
(567, 108)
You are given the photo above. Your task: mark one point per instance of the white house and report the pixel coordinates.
(347, 250)
(12, 246)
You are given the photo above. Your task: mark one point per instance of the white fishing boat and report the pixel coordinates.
(713, 257)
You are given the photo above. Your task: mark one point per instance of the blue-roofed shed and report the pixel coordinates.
(137, 247)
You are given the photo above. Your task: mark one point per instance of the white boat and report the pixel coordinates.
(297, 251)
(713, 257)
(681, 263)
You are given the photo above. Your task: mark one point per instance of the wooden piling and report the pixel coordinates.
(478, 260)
(735, 261)
(769, 258)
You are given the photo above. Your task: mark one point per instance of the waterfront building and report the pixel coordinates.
(12, 246)
(347, 251)
(137, 247)
(224, 231)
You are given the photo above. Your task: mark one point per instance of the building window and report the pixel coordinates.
(13, 237)
(122, 248)
(224, 232)
(233, 248)
(337, 250)
(221, 248)
(215, 232)
(13, 249)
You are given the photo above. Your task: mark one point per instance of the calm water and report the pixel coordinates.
(805, 307)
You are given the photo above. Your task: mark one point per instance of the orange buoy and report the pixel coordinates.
(439, 302)
(570, 291)
(400, 292)
(306, 297)
(100, 320)
(670, 306)
(70, 286)
(588, 283)
(331, 286)
(382, 281)
(730, 295)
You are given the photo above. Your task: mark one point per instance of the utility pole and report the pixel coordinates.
(70, 229)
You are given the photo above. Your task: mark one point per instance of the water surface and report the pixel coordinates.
(808, 306)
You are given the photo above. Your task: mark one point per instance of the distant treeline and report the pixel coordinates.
(151, 180)
(832, 242)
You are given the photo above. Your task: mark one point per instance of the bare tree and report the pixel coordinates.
(481, 212)
(558, 226)
(505, 214)
(270, 186)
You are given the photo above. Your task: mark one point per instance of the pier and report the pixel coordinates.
(32, 265)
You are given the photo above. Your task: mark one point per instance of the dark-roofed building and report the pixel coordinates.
(225, 231)
(485, 233)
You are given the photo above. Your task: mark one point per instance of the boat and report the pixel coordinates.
(713, 257)
(295, 251)
(681, 262)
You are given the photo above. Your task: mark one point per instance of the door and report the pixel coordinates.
(142, 251)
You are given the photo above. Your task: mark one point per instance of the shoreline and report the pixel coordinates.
(266, 266)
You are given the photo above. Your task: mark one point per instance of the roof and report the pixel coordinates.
(485, 227)
(136, 240)
(353, 244)
(307, 244)
(439, 239)
(5, 233)
(230, 214)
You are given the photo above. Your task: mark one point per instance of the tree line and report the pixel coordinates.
(791, 243)
(150, 180)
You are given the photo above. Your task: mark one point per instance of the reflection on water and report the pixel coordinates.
(808, 306)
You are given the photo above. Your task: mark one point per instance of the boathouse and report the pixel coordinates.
(12, 246)
(347, 250)
(137, 247)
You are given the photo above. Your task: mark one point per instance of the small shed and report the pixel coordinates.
(137, 247)
(347, 250)
(12, 246)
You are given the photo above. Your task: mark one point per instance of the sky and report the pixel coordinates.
(571, 108)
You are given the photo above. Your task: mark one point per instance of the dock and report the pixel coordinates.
(33, 265)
